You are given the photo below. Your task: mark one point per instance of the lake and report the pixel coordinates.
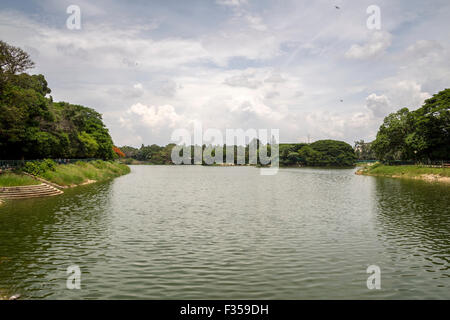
(195, 232)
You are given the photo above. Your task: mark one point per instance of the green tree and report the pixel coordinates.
(334, 153)
(32, 126)
(390, 142)
(421, 135)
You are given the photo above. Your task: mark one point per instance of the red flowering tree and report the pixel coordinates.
(118, 152)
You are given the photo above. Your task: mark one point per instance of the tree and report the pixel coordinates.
(13, 60)
(420, 135)
(430, 138)
(334, 153)
(310, 157)
(32, 126)
(118, 152)
(390, 142)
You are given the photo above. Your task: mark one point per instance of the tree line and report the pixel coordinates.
(33, 126)
(319, 153)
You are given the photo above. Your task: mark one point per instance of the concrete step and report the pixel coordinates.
(30, 189)
(37, 186)
(5, 195)
(46, 193)
(23, 192)
(29, 196)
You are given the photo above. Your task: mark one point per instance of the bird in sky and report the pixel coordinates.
(336, 7)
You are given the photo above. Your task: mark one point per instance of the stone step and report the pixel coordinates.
(29, 193)
(23, 192)
(29, 196)
(27, 186)
(27, 190)
(37, 187)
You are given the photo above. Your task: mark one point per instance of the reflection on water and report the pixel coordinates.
(39, 237)
(165, 232)
(414, 226)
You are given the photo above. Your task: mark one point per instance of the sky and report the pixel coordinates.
(307, 68)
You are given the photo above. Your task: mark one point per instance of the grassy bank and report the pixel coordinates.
(410, 172)
(84, 172)
(11, 179)
(67, 175)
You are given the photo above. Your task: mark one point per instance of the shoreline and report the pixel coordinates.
(63, 177)
(427, 174)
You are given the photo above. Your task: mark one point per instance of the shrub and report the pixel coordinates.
(48, 165)
(38, 168)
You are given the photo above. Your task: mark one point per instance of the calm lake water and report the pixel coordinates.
(192, 232)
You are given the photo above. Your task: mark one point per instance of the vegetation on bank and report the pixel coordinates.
(422, 135)
(82, 172)
(329, 153)
(407, 171)
(11, 179)
(65, 174)
(320, 153)
(32, 126)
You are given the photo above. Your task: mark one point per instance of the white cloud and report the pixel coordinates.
(243, 80)
(242, 65)
(424, 48)
(377, 43)
(379, 105)
(232, 3)
(409, 94)
(398, 95)
(256, 23)
(155, 116)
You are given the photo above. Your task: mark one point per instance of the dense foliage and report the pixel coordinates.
(319, 153)
(32, 126)
(420, 135)
(153, 154)
(37, 168)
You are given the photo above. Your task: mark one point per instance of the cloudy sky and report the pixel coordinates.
(304, 67)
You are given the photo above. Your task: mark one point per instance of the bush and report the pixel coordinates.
(48, 165)
(38, 168)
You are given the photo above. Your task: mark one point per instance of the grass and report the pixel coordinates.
(11, 179)
(81, 172)
(409, 171)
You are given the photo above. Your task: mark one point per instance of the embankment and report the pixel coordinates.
(430, 174)
(46, 180)
(80, 173)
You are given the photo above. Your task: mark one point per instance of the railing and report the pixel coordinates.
(430, 163)
(364, 161)
(12, 164)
